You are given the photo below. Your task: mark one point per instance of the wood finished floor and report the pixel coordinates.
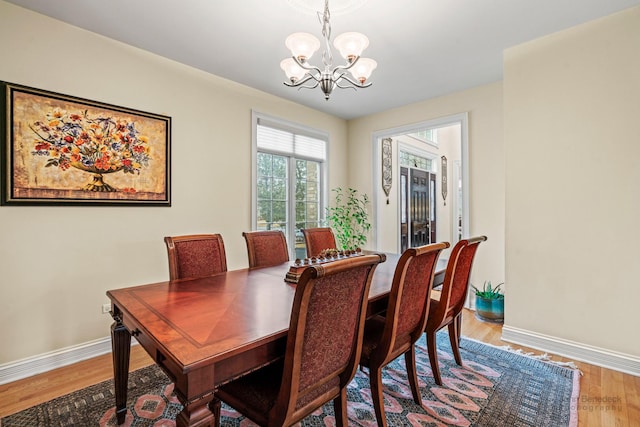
(607, 398)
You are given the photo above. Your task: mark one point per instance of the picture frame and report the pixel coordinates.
(60, 149)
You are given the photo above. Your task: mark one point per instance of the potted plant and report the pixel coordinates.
(349, 218)
(489, 303)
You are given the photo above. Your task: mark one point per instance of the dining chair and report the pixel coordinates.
(447, 311)
(318, 239)
(266, 248)
(388, 336)
(323, 347)
(195, 255)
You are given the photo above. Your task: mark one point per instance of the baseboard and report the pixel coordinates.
(577, 351)
(626, 363)
(24, 368)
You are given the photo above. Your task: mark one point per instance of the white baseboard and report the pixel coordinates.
(573, 350)
(24, 368)
(626, 363)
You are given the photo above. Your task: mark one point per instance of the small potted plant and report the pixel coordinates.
(349, 218)
(489, 303)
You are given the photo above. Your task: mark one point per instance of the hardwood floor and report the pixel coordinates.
(607, 398)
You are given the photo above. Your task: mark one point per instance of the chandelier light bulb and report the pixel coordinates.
(351, 45)
(302, 45)
(363, 68)
(293, 71)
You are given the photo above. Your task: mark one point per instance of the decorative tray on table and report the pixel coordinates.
(324, 257)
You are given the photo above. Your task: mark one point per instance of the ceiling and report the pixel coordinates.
(424, 48)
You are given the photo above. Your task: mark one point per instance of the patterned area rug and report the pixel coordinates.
(495, 387)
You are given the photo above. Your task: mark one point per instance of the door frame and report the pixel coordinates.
(376, 140)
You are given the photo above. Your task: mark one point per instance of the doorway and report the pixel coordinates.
(427, 198)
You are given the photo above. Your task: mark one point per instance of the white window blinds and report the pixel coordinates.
(279, 139)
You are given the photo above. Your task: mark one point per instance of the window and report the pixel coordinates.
(289, 187)
(415, 161)
(426, 135)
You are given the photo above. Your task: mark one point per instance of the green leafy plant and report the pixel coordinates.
(489, 292)
(349, 218)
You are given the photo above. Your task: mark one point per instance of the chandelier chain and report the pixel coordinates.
(327, 56)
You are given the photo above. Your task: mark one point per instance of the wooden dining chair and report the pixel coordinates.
(447, 311)
(318, 239)
(195, 255)
(266, 248)
(322, 351)
(388, 336)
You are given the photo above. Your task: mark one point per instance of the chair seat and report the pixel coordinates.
(257, 390)
(372, 332)
(433, 306)
(373, 329)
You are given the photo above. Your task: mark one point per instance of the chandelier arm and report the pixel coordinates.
(348, 66)
(310, 86)
(303, 81)
(307, 66)
(339, 75)
(353, 82)
(338, 85)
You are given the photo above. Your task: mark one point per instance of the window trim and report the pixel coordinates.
(267, 120)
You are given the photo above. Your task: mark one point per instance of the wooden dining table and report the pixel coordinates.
(207, 331)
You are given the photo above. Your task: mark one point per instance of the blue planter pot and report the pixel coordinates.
(490, 310)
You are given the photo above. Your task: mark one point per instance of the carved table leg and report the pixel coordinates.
(120, 351)
(196, 413)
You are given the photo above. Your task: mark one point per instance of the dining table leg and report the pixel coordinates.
(197, 413)
(121, 352)
(195, 392)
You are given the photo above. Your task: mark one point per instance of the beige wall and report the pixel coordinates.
(56, 263)
(484, 105)
(572, 134)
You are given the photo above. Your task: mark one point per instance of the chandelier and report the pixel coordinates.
(353, 74)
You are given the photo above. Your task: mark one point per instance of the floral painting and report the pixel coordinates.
(62, 149)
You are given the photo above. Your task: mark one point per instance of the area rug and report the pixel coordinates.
(494, 387)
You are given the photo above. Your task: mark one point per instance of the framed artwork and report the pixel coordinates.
(443, 172)
(386, 166)
(62, 150)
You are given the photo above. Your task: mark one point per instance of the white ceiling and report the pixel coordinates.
(424, 48)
